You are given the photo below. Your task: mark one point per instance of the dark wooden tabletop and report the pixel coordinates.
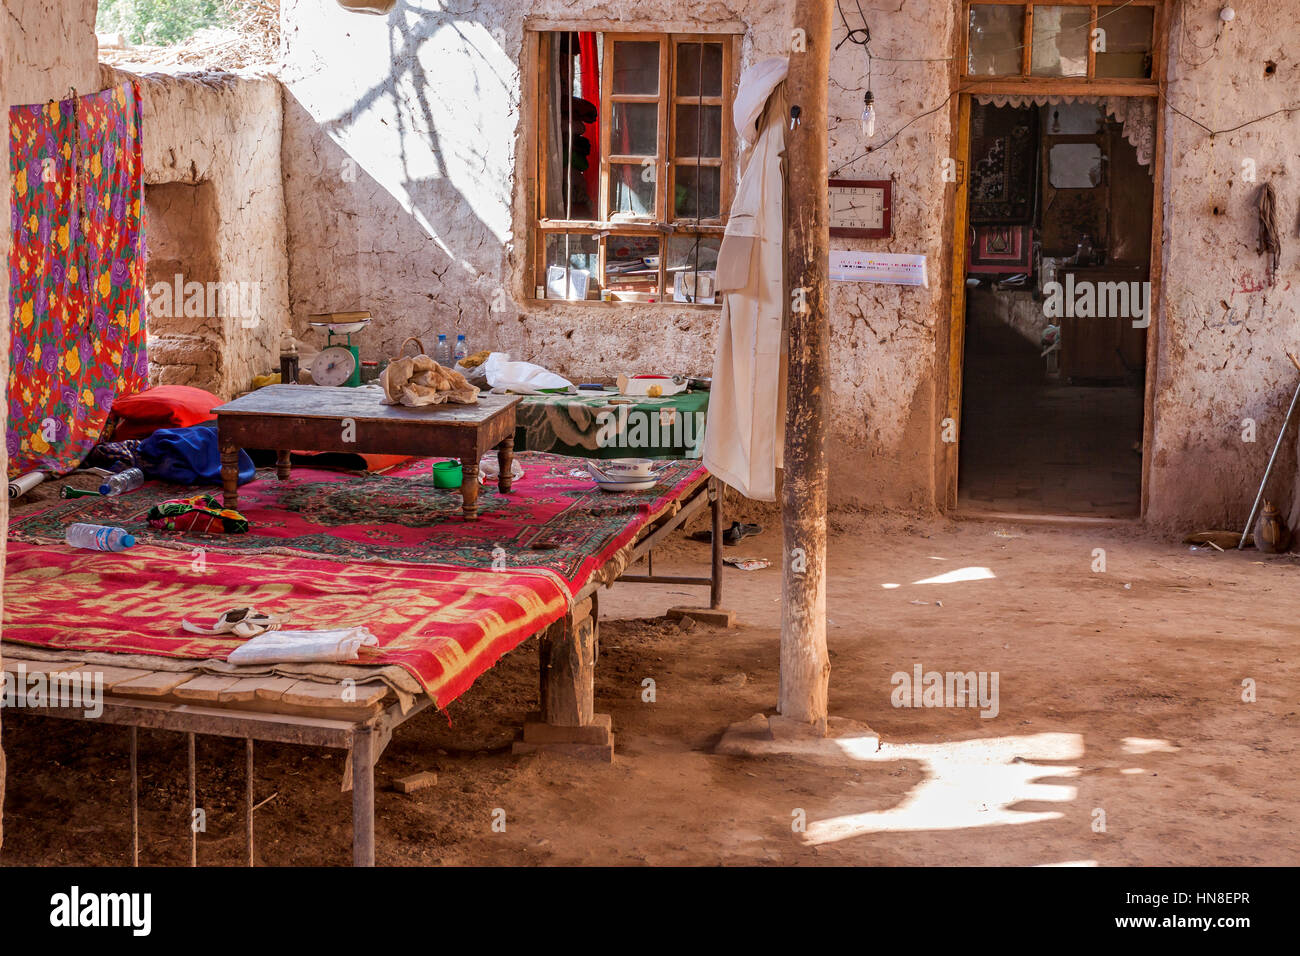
(361, 404)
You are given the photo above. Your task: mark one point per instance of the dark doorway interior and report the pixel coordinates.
(1054, 364)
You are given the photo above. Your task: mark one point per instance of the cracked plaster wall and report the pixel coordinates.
(405, 195)
(1226, 324)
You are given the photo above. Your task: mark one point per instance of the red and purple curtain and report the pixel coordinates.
(77, 274)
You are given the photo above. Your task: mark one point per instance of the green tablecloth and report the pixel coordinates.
(587, 425)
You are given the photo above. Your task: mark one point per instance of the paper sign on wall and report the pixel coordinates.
(889, 267)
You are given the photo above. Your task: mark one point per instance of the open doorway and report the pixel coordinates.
(1057, 303)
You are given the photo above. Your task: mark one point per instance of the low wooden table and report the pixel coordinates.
(319, 418)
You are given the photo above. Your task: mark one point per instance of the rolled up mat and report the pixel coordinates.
(25, 483)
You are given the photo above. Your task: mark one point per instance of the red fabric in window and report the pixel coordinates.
(589, 68)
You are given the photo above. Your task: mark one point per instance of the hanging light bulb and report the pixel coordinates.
(868, 115)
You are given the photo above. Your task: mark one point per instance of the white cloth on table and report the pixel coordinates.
(744, 441)
(281, 647)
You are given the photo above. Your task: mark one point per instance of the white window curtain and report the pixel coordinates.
(1136, 114)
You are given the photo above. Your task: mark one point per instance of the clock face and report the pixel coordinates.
(333, 366)
(857, 207)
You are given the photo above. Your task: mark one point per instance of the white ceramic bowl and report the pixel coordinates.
(628, 468)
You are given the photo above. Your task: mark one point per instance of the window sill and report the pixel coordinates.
(664, 306)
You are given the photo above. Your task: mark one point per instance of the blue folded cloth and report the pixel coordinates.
(189, 456)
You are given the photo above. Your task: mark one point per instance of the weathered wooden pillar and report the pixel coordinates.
(805, 665)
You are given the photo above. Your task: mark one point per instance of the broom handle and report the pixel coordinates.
(1272, 458)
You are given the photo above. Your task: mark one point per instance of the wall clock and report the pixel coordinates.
(861, 208)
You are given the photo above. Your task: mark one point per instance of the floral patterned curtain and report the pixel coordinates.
(77, 274)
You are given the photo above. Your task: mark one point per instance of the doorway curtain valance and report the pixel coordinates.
(1136, 114)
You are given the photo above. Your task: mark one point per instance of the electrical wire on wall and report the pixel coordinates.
(861, 36)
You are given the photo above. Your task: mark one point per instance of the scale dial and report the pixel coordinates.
(333, 366)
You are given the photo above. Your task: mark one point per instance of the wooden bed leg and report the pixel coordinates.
(194, 803)
(363, 798)
(715, 613)
(567, 722)
(135, 799)
(248, 785)
(283, 464)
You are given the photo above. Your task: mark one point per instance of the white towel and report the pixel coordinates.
(279, 647)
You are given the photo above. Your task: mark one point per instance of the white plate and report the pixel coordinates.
(638, 484)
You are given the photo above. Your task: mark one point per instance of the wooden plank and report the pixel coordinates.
(112, 676)
(1058, 86)
(205, 687)
(416, 781)
(310, 693)
(39, 668)
(255, 688)
(153, 684)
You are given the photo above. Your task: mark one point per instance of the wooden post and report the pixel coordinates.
(805, 665)
(567, 722)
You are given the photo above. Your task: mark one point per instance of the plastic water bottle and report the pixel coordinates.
(122, 482)
(98, 537)
(462, 348)
(442, 351)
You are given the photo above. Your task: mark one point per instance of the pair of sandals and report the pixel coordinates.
(732, 535)
(240, 621)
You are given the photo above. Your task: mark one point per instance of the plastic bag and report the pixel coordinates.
(523, 378)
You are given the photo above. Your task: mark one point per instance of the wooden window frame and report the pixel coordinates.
(1090, 85)
(664, 224)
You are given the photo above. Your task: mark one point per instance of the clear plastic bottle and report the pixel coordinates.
(98, 537)
(462, 349)
(442, 351)
(122, 482)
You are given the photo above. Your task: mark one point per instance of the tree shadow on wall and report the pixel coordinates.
(397, 232)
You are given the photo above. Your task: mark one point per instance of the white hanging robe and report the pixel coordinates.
(745, 435)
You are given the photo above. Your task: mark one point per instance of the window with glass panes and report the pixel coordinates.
(634, 165)
(1068, 39)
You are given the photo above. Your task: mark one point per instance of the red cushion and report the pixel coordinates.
(163, 406)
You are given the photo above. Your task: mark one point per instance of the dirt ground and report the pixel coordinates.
(1121, 738)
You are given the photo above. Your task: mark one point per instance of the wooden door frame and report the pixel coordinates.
(951, 350)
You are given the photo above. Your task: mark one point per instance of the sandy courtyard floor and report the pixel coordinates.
(1121, 737)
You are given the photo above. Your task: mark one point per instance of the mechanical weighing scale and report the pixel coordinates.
(339, 363)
